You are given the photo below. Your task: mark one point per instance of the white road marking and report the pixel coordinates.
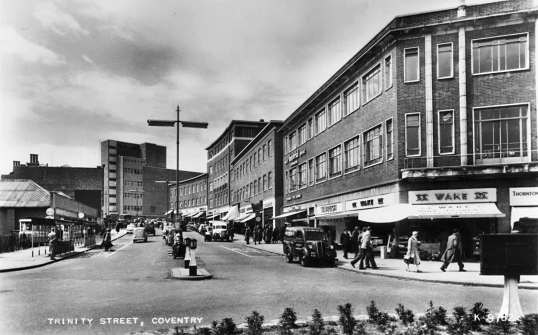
(114, 252)
(234, 250)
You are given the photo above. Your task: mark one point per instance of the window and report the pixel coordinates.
(321, 167)
(302, 175)
(351, 154)
(444, 61)
(265, 182)
(310, 128)
(321, 121)
(293, 180)
(286, 145)
(251, 193)
(411, 66)
(311, 176)
(390, 139)
(446, 132)
(260, 185)
(412, 134)
(334, 112)
(388, 72)
(255, 187)
(499, 54)
(372, 83)
(269, 180)
(269, 149)
(301, 132)
(501, 133)
(259, 155)
(351, 99)
(255, 159)
(292, 141)
(373, 146)
(335, 165)
(264, 152)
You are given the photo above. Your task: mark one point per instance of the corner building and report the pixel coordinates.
(431, 126)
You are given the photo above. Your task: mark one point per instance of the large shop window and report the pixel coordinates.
(500, 54)
(444, 61)
(390, 139)
(321, 167)
(302, 175)
(372, 83)
(351, 99)
(373, 146)
(501, 134)
(446, 132)
(411, 65)
(335, 166)
(412, 134)
(334, 112)
(321, 121)
(351, 154)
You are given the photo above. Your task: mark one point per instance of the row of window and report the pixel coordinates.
(132, 183)
(220, 166)
(220, 199)
(129, 195)
(132, 171)
(259, 156)
(132, 208)
(193, 188)
(218, 182)
(258, 186)
(190, 202)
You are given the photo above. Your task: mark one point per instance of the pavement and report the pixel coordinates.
(38, 256)
(430, 270)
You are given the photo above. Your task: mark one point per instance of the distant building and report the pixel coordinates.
(130, 175)
(219, 156)
(192, 197)
(84, 184)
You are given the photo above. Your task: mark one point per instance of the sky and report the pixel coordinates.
(76, 72)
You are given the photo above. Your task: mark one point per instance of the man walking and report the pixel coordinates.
(454, 251)
(345, 240)
(354, 244)
(360, 252)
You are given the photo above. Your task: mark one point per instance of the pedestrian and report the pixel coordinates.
(360, 252)
(247, 234)
(453, 252)
(275, 235)
(107, 240)
(412, 256)
(367, 244)
(268, 233)
(345, 240)
(354, 244)
(258, 234)
(52, 243)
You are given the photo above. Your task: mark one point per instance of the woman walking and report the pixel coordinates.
(412, 256)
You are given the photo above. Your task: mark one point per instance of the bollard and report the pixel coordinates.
(193, 269)
(187, 257)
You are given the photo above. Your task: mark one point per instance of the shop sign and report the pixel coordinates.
(328, 209)
(453, 196)
(372, 202)
(523, 196)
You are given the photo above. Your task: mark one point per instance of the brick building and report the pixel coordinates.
(192, 197)
(431, 126)
(256, 175)
(219, 156)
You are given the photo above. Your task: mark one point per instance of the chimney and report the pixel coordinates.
(34, 159)
(262, 120)
(16, 164)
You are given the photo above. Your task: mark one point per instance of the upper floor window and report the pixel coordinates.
(445, 67)
(446, 132)
(303, 175)
(264, 182)
(259, 155)
(321, 121)
(388, 72)
(269, 148)
(411, 65)
(269, 180)
(321, 167)
(372, 83)
(351, 154)
(334, 112)
(390, 139)
(311, 176)
(310, 128)
(499, 54)
(373, 146)
(351, 99)
(292, 141)
(264, 150)
(301, 133)
(412, 134)
(335, 162)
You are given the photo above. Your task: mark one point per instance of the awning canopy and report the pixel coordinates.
(168, 212)
(233, 214)
(211, 217)
(385, 214)
(197, 215)
(285, 215)
(447, 211)
(337, 215)
(249, 217)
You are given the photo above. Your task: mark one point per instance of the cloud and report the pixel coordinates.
(14, 44)
(53, 18)
(88, 60)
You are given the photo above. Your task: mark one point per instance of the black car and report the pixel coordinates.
(150, 229)
(308, 245)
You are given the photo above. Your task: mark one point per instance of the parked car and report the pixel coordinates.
(221, 231)
(150, 229)
(140, 235)
(130, 228)
(308, 245)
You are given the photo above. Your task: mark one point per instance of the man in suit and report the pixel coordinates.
(354, 243)
(454, 251)
(345, 240)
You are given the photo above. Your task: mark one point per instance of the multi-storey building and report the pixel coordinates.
(192, 197)
(219, 156)
(256, 175)
(130, 175)
(431, 126)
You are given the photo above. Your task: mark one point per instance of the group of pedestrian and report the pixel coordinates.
(363, 247)
(266, 234)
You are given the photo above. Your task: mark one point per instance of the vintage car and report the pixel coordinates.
(139, 235)
(308, 245)
(220, 231)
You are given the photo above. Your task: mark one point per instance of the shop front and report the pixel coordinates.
(523, 204)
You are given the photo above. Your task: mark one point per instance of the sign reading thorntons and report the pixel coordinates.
(524, 196)
(468, 195)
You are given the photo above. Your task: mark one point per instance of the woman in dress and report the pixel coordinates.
(412, 256)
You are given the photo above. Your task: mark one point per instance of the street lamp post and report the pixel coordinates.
(176, 123)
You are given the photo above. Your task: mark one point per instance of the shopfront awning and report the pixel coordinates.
(168, 212)
(249, 217)
(447, 211)
(385, 214)
(337, 215)
(285, 215)
(197, 215)
(233, 214)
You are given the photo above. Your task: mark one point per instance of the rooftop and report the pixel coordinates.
(23, 193)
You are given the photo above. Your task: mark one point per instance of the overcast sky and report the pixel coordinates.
(74, 73)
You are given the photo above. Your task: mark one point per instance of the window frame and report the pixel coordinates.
(387, 158)
(453, 151)
(311, 177)
(390, 84)
(338, 174)
(316, 126)
(451, 60)
(305, 163)
(418, 65)
(303, 133)
(334, 102)
(365, 87)
(527, 54)
(359, 163)
(350, 87)
(419, 134)
(382, 156)
(325, 178)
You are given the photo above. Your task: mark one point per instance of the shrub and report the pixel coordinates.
(528, 325)
(500, 326)
(202, 331)
(287, 320)
(405, 315)
(419, 328)
(254, 323)
(461, 324)
(346, 319)
(381, 319)
(317, 325)
(478, 316)
(435, 316)
(372, 311)
(360, 328)
(225, 327)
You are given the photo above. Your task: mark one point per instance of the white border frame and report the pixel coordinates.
(451, 76)
(419, 134)
(527, 54)
(363, 136)
(363, 86)
(418, 65)
(453, 132)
